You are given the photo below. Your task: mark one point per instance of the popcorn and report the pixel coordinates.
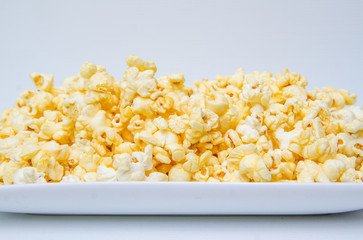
(317, 149)
(203, 120)
(161, 123)
(164, 137)
(157, 177)
(350, 175)
(146, 87)
(285, 138)
(135, 61)
(310, 171)
(90, 177)
(176, 151)
(239, 152)
(193, 163)
(42, 82)
(334, 168)
(70, 179)
(127, 170)
(254, 91)
(147, 138)
(178, 124)
(232, 137)
(28, 175)
(88, 69)
(256, 127)
(178, 174)
(161, 155)
(176, 78)
(248, 131)
(254, 167)
(145, 158)
(105, 174)
(162, 104)
(218, 103)
(142, 106)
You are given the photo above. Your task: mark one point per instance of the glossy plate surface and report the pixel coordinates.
(169, 198)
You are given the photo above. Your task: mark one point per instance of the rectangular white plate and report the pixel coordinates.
(166, 198)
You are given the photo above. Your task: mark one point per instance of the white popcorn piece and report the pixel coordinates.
(28, 175)
(90, 177)
(157, 177)
(145, 158)
(105, 174)
(164, 137)
(285, 138)
(250, 130)
(128, 170)
(70, 179)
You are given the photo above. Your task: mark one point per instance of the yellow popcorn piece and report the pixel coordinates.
(178, 174)
(135, 61)
(255, 127)
(176, 151)
(239, 152)
(178, 124)
(88, 69)
(42, 82)
(254, 167)
(310, 171)
(193, 163)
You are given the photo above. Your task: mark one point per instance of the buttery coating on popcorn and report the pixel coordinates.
(240, 128)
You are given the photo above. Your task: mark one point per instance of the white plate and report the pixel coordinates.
(182, 198)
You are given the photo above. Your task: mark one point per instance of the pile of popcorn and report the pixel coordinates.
(240, 128)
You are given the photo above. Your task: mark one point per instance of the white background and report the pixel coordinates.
(338, 226)
(319, 39)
